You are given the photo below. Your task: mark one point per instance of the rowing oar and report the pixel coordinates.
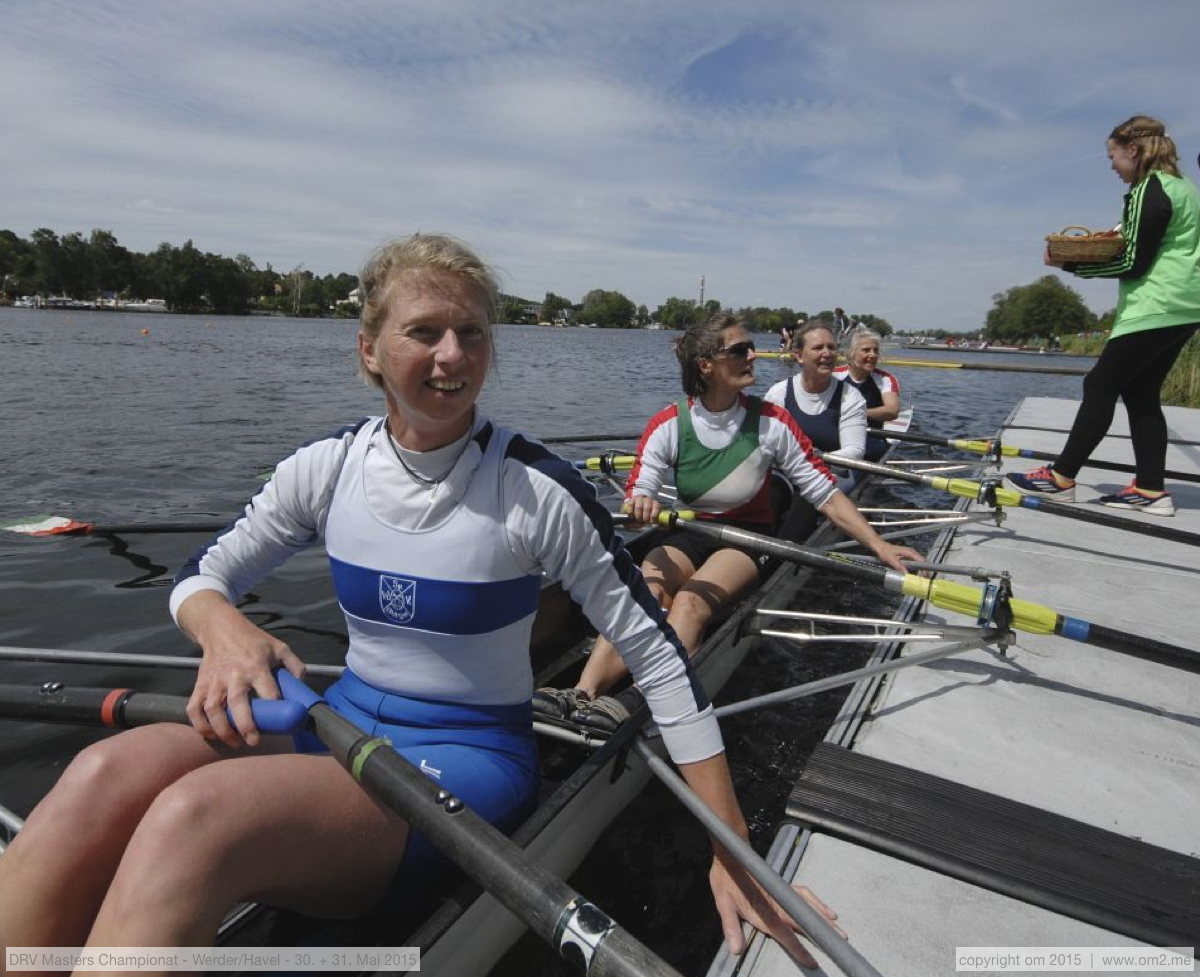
(65, 526)
(994, 448)
(998, 495)
(573, 926)
(53, 702)
(989, 605)
(1071, 371)
(587, 438)
(69, 656)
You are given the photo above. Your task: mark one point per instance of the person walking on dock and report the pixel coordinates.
(1158, 310)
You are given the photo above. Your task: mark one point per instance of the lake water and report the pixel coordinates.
(123, 418)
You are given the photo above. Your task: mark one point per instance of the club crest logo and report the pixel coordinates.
(398, 598)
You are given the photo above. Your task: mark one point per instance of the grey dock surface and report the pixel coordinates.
(1049, 798)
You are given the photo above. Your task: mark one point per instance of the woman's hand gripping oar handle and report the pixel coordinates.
(547, 905)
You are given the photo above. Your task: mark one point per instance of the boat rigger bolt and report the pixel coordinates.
(51, 688)
(448, 801)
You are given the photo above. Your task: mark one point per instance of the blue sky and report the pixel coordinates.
(898, 157)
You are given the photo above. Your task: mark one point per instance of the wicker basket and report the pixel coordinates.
(1080, 244)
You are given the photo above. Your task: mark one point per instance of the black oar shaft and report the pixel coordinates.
(156, 527)
(115, 708)
(1140, 646)
(541, 900)
(586, 438)
(1098, 517)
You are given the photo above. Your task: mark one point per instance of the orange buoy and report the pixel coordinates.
(145, 332)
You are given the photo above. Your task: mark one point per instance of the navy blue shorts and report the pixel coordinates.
(484, 755)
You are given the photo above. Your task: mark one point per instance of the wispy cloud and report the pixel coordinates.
(898, 158)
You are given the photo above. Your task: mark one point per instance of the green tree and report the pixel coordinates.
(675, 313)
(512, 308)
(607, 309)
(555, 307)
(111, 264)
(1042, 309)
(178, 275)
(48, 278)
(16, 264)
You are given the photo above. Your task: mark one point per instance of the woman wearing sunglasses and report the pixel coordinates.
(717, 445)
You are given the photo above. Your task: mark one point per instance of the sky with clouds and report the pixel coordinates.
(898, 157)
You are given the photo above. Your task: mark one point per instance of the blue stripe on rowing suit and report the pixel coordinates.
(1075, 628)
(438, 606)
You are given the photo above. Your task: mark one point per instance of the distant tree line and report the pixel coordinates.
(612, 310)
(190, 280)
(99, 267)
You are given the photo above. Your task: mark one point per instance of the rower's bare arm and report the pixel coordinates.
(844, 514)
(238, 659)
(889, 410)
(737, 895)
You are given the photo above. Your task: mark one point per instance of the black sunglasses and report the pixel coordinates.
(739, 350)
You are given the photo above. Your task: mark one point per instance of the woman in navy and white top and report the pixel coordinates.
(832, 414)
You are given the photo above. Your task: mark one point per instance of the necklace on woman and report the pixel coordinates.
(415, 475)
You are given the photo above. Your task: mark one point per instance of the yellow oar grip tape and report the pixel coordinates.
(965, 599)
(364, 753)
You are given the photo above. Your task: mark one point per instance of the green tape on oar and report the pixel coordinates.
(363, 754)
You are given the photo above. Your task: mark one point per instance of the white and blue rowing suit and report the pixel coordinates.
(439, 585)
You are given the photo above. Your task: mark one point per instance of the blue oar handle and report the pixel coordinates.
(277, 715)
(295, 692)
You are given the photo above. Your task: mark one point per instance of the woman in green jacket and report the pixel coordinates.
(1158, 310)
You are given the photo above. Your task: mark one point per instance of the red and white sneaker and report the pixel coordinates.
(1132, 497)
(1042, 481)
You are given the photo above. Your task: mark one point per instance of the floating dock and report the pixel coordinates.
(1045, 798)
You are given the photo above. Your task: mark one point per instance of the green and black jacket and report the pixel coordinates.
(1159, 271)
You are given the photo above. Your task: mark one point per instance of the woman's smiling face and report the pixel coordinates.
(432, 355)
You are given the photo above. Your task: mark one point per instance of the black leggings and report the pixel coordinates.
(1132, 368)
